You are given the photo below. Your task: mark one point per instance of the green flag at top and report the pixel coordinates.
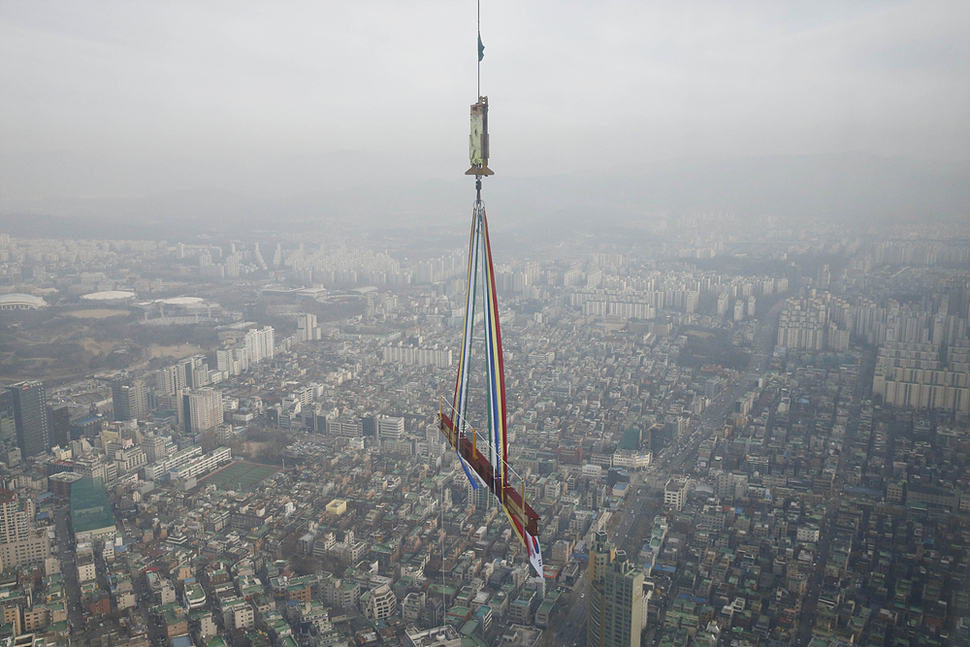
(481, 48)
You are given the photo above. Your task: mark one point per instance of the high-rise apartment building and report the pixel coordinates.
(191, 372)
(130, 400)
(195, 371)
(601, 554)
(170, 380)
(8, 430)
(154, 447)
(306, 327)
(481, 497)
(260, 344)
(723, 301)
(20, 545)
(15, 517)
(201, 409)
(232, 360)
(615, 615)
(30, 415)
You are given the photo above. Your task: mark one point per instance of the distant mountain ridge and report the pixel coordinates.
(857, 187)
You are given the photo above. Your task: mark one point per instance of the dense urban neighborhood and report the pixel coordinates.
(729, 442)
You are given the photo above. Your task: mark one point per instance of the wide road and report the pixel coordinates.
(632, 520)
(672, 458)
(861, 390)
(63, 548)
(568, 626)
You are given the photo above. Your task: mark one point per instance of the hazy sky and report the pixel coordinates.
(123, 98)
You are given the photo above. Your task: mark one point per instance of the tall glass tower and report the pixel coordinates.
(30, 415)
(8, 427)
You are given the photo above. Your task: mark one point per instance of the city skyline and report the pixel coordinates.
(245, 400)
(736, 404)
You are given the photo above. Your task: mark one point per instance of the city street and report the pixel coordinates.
(634, 516)
(64, 550)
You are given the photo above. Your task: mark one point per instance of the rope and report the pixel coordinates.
(441, 546)
(477, 54)
(483, 438)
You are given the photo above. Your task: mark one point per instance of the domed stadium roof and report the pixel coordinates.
(18, 301)
(109, 295)
(181, 301)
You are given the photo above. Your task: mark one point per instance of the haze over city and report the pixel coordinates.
(109, 100)
(701, 378)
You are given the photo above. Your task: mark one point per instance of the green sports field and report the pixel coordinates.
(240, 476)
